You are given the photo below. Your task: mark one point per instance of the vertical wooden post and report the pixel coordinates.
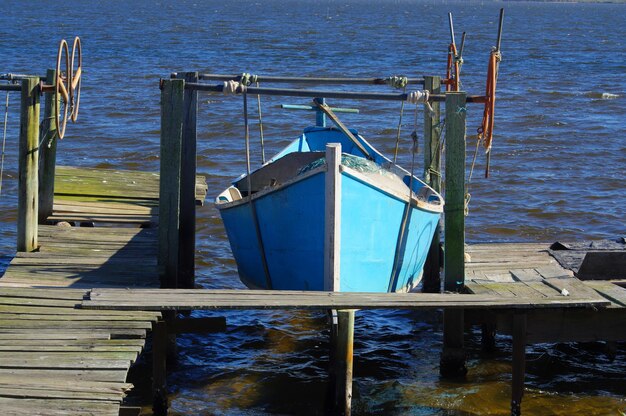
(452, 362)
(344, 362)
(172, 114)
(159, 368)
(454, 227)
(187, 248)
(332, 218)
(48, 153)
(28, 199)
(519, 363)
(432, 176)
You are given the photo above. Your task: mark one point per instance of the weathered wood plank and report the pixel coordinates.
(213, 299)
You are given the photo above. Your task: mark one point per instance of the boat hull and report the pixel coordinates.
(283, 248)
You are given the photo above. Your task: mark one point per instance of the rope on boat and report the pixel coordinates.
(258, 103)
(402, 235)
(246, 79)
(395, 152)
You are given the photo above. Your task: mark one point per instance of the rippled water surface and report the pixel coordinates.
(557, 172)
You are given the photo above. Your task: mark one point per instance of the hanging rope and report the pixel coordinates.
(407, 211)
(247, 140)
(468, 183)
(4, 138)
(395, 151)
(258, 103)
(485, 131)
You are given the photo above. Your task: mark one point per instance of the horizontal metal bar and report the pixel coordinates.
(18, 77)
(306, 80)
(311, 108)
(290, 92)
(10, 87)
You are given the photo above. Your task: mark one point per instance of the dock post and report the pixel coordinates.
(48, 154)
(187, 248)
(432, 176)
(519, 363)
(452, 362)
(343, 366)
(159, 368)
(28, 185)
(172, 116)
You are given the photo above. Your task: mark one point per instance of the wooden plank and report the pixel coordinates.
(35, 392)
(63, 375)
(572, 286)
(454, 209)
(214, 299)
(526, 275)
(28, 165)
(69, 363)
(610, 291)
(50, 407)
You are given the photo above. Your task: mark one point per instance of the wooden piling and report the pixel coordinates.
(47, 154)
(187, 247)
(159, 368)
(28, 199)
(519, 363)
(172, 120)
(432, 176)
(452, 362)
(344, 362)
(454, 227)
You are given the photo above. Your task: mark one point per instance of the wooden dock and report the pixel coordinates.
(105, 239)
(57, 358)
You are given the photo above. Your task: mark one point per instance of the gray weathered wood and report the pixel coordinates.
(432, 176)
(170, 299)
(172, 122)
(48, 154)
(187, 245)
(332, 218)
(28, 161)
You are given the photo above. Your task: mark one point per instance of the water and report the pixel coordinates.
(557, 172)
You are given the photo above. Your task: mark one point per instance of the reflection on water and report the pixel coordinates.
(557, 172)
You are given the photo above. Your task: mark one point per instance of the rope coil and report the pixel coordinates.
(397, 82)
(247, 79)
(415, 97)
(233, 88)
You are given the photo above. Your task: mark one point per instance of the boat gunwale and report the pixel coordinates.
(415, 202)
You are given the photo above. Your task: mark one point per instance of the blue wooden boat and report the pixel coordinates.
(318, 218)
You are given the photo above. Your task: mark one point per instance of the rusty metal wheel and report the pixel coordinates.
(61, 88)
(77, 57)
